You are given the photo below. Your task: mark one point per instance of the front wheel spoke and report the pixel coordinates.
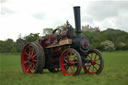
(89, 68)
(95, 67)
(70, 54)
(75, 66)
(66, 60)
(71, 69)
(98, 64)
(73, 62)
(95, 57)
(65, 64)
(74, 57)
(66, 67)
(70, 61)
(90, 57)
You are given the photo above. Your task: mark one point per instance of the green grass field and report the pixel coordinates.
(115, 72)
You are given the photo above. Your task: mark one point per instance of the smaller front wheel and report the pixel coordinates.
(95, 62)
(70, 62)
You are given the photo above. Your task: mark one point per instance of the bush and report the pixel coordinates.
(107, 45)
(122, 46)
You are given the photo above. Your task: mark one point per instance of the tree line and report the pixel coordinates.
(107, 40)
(11, 46)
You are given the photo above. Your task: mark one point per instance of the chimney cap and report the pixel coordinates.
(76, 6)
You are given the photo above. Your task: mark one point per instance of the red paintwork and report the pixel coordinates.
(28, 59)
(84, 44)
(51, 39)
(95, 63)
(69, 70)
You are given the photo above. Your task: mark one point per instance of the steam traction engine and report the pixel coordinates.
(62, 51)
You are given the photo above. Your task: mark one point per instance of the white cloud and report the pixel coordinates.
(31, 16)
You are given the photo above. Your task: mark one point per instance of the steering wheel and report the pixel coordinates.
(57, 31)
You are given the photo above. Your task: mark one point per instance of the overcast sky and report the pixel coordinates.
(31, 16)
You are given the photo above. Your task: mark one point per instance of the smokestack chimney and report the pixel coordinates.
(77, 20)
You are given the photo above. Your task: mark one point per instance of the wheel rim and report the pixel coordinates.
(95, 60)
(29, 59)
(69, 63)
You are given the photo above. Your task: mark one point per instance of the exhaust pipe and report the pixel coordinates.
(77, 20)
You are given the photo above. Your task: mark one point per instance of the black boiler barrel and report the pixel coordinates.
(77, 20)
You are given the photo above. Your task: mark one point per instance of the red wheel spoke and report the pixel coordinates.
(65, 64)
(66, 67)
(32, 53)
(71, 68)
(95, 67)
(29, 58)
(74, 57)
(73, 71)
(75, 66)
(26, 62)
(66, 60)
(90, 57)
(98, 64)
(34, 60)
(29, 54)
(33, 66)
(28, 69)
(95, 57)
(89, 68)
(26, 53)
(70, 64)
(70, 54)
(75, 62)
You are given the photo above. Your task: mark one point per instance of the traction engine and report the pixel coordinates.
(62, 50)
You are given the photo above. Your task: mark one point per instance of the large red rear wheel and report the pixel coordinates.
(32, 58)
(95, 62)
(70, 62)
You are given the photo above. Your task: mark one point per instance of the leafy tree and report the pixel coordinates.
(20, 44)
(6, 46)
(31, 37)
(114, 35)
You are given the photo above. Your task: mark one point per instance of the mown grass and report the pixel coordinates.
(115, 72)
